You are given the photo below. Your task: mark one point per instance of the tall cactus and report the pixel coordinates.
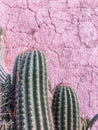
(65, 108)
(31, 94)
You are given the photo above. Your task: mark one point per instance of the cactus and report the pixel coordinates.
(88, 123)
(15, 78)
(3, 75)
(65, 108)
(84, 123)
(5, 105)
(32, 110)
(92, 121)
(5, 89)
(5, 100)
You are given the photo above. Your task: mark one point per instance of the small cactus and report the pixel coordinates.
(65, 108)
(87, 123)
(84, 123)
(32, 110)
(92, 121)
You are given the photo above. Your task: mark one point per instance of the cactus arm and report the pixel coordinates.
(92, 121)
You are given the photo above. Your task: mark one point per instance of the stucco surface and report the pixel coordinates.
(67, 31)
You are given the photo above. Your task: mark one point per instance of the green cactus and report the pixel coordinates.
(5, 88)
(32, 110)
(65, 108)
(16, 69)
(88, 123)
(92, 121)
(15, 77)
(5, 105)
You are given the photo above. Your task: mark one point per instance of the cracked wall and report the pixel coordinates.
(67, 30)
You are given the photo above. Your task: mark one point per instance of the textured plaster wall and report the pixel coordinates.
(67, 30)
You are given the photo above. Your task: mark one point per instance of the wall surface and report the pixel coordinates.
(67, 31)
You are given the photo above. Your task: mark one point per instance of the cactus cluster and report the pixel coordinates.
(27, 100)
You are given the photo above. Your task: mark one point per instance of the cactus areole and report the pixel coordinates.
(65, 109)
(31, 102)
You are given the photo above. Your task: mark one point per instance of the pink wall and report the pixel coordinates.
(67, 30)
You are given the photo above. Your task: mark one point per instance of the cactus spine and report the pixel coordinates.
(65, 108)
(31, 94)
